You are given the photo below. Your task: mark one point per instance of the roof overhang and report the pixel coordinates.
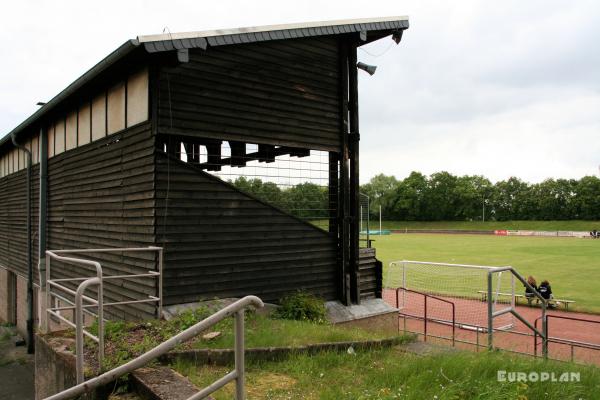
(369, 28)
(222, 37)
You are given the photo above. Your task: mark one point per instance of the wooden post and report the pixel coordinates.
(354, 174)
(344, 184)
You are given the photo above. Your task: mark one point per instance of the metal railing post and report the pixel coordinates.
(490, 313)
(545, 331)
(79, 326)
(425, 318)
(404, 283)
(453, 325)
(48, 295)
(160, 283)
(239, 355)
(170, 344)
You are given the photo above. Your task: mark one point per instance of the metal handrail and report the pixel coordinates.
(79, 296)
(571, 343)
(512, 310)
(425, 318)
(238, 374)
(78, 325)
(491, 313)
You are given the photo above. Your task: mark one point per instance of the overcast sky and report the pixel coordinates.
(498, 88)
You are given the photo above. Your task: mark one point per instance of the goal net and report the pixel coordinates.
(455, 292)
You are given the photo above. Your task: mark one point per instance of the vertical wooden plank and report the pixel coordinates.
(84, 124)
(71, 131)
(35, 149)
(51, 141)
(59, 136)
(116, 108)
(99, 117)
(137, 97)
(15, 159)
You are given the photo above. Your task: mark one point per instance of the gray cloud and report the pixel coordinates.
(494, 88)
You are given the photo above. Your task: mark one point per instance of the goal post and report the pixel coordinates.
(476, 292)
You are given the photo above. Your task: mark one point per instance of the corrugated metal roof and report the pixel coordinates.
(221, 37)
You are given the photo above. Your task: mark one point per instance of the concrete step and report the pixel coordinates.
(162, 383)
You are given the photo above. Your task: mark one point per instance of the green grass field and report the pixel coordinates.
(571, 265)
(388, 374)
(491, 225)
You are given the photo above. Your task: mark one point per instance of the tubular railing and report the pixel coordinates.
(425, 317)
(513, 310)
(238, 374)
(491, 313)
(77, 305)
(571, 343)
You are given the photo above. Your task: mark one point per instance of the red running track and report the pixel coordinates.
(471, 312)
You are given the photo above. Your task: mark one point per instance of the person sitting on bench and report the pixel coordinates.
(529, 294)
(595, 234)
(546, 291)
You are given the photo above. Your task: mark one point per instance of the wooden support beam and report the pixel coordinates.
(238, 154)
(266, 153)
(354, 138)
(213, 157)
(344, 190)
(294, 152)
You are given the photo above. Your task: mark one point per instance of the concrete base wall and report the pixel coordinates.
(13, 300)
(8, 312)
(377, 323)
(22, 306)
(372, 315)
(55, 369)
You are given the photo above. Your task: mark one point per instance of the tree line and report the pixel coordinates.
(445, 197)
(304, 200)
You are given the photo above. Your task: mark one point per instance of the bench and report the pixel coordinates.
(556, 302)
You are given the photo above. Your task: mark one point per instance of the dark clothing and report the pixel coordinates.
(529, 292)
(545, 291)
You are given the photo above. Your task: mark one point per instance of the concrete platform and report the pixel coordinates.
(371, 314)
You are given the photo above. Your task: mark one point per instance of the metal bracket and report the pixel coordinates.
(183, 55)
(397, 36)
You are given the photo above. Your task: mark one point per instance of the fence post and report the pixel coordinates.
(490, 313)
(239, 355)
(545, 331)
(48, 296)
(160, 283)
(425, 319)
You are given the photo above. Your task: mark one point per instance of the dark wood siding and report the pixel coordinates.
(220, 242)
(370, 269)
(279, 92)
(100, 196)
(13, 220)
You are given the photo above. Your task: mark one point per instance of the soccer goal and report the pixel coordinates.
(448, 293)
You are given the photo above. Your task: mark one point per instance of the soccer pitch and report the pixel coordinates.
(571, 265)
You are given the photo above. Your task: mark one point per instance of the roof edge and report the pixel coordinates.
(265, 28)
(92, 73)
